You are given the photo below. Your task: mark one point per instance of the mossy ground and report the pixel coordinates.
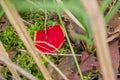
(10, 39)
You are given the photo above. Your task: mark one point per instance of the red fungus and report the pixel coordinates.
(51, 40)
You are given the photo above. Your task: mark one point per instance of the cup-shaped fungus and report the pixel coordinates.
(49, 40)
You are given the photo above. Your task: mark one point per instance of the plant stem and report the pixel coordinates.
(1, 13)
(104, 5)
(113, 11)
(73, 53)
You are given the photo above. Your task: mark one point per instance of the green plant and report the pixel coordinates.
(1, 12)
(10, 39)
(35, 7)
(28, 64)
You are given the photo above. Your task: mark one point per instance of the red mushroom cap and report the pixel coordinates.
(51, 41)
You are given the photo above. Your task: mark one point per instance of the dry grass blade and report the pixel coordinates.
(19, 69)
(5, 54)
(111, 38)
(115, 34)
(117, 29)
(98, 27)
(53, 65)
(17, 23)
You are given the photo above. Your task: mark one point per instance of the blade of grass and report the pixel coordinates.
(12, 70)
(70, 14)
(1, 12)
(83, 22)
(104, 4)
(72, 50)
(98, 27)
(113, 11)
(73, 53)
(17, 23)
(81, 37)
(34, 4)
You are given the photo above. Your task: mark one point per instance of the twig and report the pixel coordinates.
(53, 54)
(98, 27)
(12, 70)
(19, 69)
(116, 35)
(17, 23)
(45, 21)
(26, 22)
(56, 54)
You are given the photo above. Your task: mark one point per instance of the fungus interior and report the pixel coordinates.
(51, 40)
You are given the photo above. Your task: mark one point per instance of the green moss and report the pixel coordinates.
(10, 39)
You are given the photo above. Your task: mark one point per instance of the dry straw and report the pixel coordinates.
(12, 70)
(17, 68)
(98, 27)
(17, 23)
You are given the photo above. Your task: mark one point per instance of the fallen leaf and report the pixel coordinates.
(66, 65)
(71, 26)
(12, 52)
(88, 62)
(115, 21)
(114, 50)
(74, 76)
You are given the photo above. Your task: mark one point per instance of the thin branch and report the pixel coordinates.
(19, 69)
(53, 54)
(111, 38)
(12, 70)
(17, 23)
(68, 55)
(98, 27)
(27, 22)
